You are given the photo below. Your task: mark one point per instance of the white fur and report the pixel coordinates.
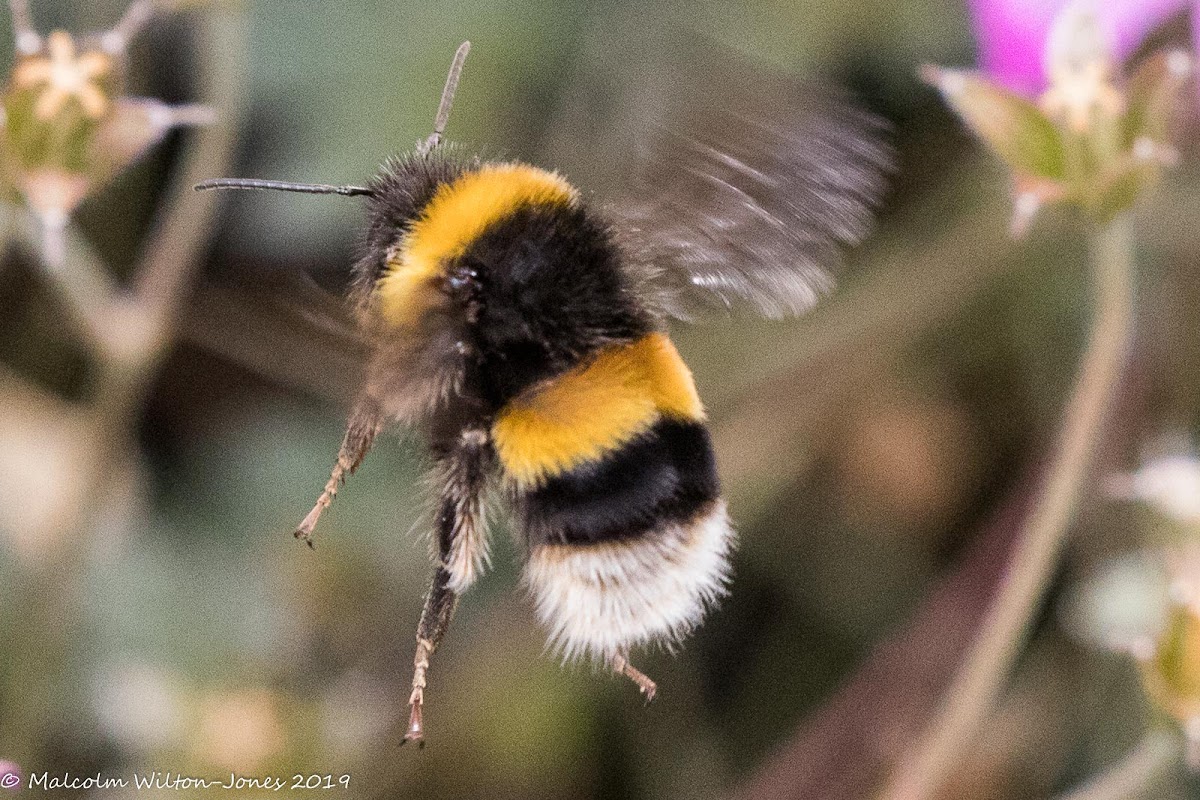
(601, 600)
(468, 556)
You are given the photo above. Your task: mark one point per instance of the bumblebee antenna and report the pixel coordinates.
(443, 112)
(283, 186)
(423, 148)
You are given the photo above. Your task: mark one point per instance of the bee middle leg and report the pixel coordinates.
(461, 546)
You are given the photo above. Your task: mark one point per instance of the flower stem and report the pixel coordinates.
(978, 684)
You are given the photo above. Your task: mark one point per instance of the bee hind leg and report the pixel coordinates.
(619, 663)
(435, 620)
(364, 425)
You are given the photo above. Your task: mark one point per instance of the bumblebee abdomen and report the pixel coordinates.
(577, 419)
(610, 449)
(665, 476)
(618, 496)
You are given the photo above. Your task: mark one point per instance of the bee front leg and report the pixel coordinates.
(364, 425)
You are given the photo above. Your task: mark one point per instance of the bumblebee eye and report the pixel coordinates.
(460, 277)
(459, 281)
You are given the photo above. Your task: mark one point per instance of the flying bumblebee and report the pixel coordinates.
(521, 329)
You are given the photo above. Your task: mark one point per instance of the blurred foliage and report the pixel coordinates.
(861, 446)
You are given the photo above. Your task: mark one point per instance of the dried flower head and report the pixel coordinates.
(60, 75)
(67, 126)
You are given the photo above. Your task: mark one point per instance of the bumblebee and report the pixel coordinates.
(522, 329)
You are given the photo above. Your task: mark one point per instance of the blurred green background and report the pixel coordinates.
(175, 625)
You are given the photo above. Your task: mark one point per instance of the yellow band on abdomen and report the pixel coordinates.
(594, 409)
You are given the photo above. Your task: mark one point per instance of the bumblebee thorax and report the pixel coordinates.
(504, 274)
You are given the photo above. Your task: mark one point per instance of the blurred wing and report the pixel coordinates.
(284, 327)
(746, 201)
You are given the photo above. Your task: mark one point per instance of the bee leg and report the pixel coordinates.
(435, 620)
(619, 664)
(461, 545)
(365, 423)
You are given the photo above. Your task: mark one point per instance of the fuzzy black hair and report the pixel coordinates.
(667, 475)
(403, 187)
(551, 293)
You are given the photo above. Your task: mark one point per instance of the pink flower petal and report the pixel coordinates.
(1011, 34)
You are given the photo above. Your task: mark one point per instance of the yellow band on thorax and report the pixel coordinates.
(594, 409)
(458, 213)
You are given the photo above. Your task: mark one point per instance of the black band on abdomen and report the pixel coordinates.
(667, 475)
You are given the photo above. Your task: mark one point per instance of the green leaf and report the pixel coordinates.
(1013, 127)
(1121, 188)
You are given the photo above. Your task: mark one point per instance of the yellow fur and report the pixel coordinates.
(593, 409)
(458, 213)
(670, 379)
